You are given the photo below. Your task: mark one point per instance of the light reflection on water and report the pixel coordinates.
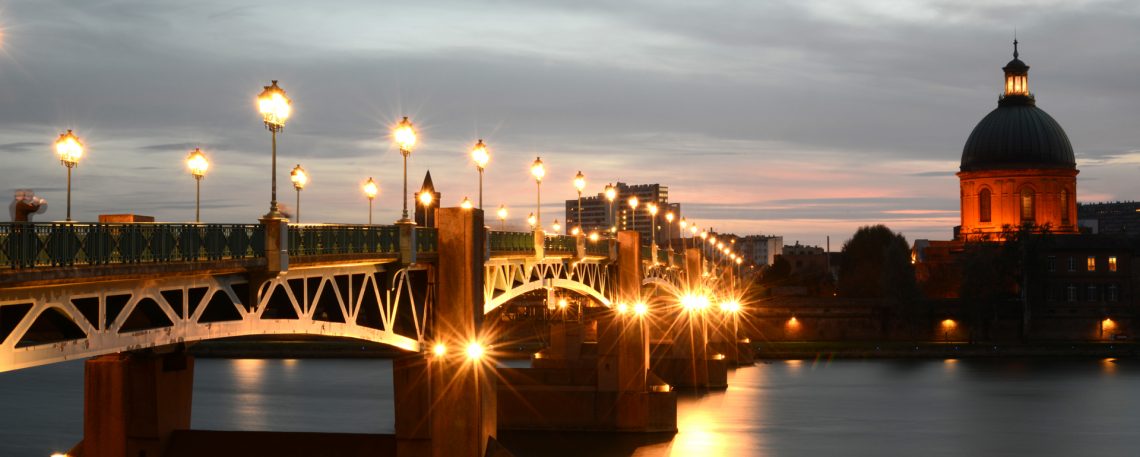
(786, 408)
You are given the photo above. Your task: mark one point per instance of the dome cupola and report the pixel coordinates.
(1017, 134)
(1018, 168)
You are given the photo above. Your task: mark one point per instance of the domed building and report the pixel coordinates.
(1018, 167)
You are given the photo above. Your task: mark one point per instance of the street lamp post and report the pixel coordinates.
(611, 194)
(633, 202)
(652, 208)
(532, 221)
(426, 199)
(405, 136)
(684, 224)
(480, 155)
(70, 150)
(370, 191)
(503, 217)
(466, 203)
(580, 184)
(275, 108)
(538, 170)
(669, 230)
(198, 165)
(299, 178)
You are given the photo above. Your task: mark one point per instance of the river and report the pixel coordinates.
(1033, 407)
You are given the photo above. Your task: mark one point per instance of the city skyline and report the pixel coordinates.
(803, 120)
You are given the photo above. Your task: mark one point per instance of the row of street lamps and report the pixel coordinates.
(276, 107)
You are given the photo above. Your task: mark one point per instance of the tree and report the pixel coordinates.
(1002, 271)
(876, 264)
(779, 270)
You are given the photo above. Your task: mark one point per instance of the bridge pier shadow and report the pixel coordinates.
(133, 401)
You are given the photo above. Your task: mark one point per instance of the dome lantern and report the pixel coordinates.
(1017, 78)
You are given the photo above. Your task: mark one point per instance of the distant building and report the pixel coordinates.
(805, 259)
(801, 249)
(760, 249)
(1018, 167)
(1018, 171)
(1110, 218)
(598, 214)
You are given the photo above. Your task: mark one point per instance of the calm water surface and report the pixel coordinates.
(787, 408)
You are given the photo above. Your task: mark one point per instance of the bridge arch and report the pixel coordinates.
(370, 302)
(556, 283)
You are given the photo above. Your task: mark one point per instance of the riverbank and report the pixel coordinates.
(873, 350)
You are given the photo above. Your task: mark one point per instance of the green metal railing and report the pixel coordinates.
(325, 239)
(28, 245)
(561, 243)
(599, 248)
(427, 240)
(512, 242)
(662, 255)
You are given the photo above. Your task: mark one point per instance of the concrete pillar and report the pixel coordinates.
(623, 346)
(690, 334)
(407, 242)
(462, 390)
(276, 244)
(411, 384)
(693, 268)
(132, 401)
(539, 243)
(566, 340)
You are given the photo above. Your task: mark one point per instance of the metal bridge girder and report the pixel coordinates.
(129, 315)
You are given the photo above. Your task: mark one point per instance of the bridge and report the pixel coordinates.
(128, 298)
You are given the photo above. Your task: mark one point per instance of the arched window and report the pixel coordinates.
(984, 205)
(1064, 207)
(1028, 209)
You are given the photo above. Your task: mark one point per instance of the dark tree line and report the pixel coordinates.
(1011, 270)
(877, 264)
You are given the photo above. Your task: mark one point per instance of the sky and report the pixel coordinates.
(798, 118)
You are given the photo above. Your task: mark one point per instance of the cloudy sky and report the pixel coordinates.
(799, 118)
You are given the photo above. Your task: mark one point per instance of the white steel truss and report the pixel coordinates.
(505, 279)
(49, 324)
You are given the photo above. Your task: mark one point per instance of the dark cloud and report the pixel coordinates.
(771, 99)
(23, 146)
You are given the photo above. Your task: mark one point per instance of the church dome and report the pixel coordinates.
(1017, 134)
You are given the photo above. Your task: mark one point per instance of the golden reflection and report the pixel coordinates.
(1108, 365)
(249, 380)
(697, 435)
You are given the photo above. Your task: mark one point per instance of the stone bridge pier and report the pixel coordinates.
(445, 398)
(133, 401)
(595, 376)
(136, 404)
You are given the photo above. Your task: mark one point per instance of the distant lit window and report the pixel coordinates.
(1092, 263)
(1052, 263)
(1072, 263)
(1090, 294)
(984, 205)
(1112, 263)
(1113, 293)
(1027, 206)
(1071, 293)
